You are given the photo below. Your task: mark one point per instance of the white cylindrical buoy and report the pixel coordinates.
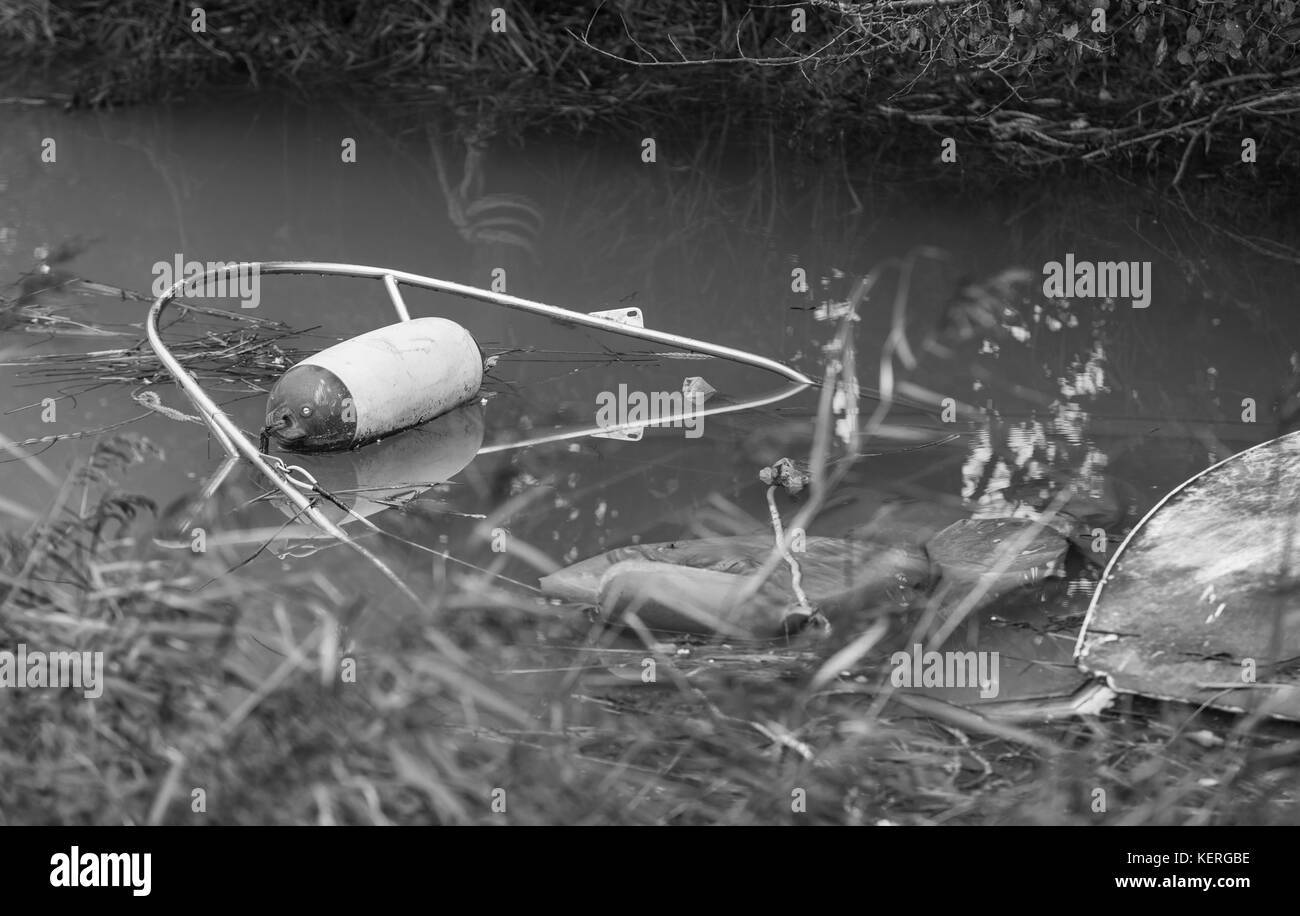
(373, 385)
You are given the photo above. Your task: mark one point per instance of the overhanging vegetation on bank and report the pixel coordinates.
(1031, 82)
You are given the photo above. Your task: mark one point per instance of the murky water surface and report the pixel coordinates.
(1121, 403)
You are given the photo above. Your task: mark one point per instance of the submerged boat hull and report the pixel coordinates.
(1201, 603)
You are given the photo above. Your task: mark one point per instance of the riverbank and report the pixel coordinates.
(1028, 85)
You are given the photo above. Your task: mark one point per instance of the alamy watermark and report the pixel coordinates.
(219, 279)
(28, 670)
(918, 668)
(635, 409)
(1098, 280)
(103, 869)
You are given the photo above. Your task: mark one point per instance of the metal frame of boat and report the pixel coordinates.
(1090, 698)
(237, 446)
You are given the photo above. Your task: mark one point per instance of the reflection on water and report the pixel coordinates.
(1084, 405)
(390, 473)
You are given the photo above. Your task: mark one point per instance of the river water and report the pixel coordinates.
(709, 241)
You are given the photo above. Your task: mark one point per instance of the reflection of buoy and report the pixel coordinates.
(374, 478)
(375, 384)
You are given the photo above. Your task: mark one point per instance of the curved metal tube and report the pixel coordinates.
(528, 305)
(237, 445)
(687, 414)
(230, 436)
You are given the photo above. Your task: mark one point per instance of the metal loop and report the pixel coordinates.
(308, 483)
(287, 471)
(301, 551)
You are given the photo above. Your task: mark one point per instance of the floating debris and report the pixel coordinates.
(1198, 604)
(842, 579)
(665, 596)
(375, 384)
(974, 554)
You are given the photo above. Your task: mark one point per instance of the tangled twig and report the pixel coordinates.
(151, 400)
